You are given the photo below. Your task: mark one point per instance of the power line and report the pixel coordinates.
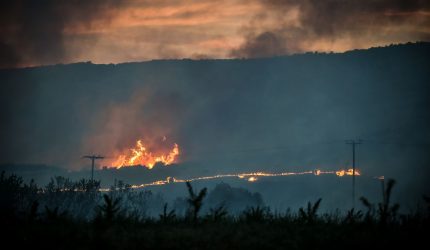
(405, 144)
(353, 143)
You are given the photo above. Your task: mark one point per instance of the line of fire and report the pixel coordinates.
(142, 155)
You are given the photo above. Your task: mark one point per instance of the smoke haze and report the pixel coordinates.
(64, 31)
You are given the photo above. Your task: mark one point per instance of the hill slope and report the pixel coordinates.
(286, 113)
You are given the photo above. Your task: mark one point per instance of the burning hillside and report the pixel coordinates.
(147, 156)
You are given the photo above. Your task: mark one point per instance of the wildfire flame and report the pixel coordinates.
(251, 177)
(347, 172)
(140, 155)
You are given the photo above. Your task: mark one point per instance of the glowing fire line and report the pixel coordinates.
(251, 177)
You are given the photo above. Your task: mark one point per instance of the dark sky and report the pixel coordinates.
(112, 31)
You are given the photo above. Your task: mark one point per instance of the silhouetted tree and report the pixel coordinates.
(110, 209)
(10, 192)
(195, 202)
(370, 209)
(386, 211)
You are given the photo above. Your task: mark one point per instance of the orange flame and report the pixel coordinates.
(251, 177)
(347, 172)
(140, 155)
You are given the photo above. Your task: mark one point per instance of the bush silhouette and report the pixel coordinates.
(386, 212)
(217, 214)
(109, 211)
(256, 214)
(33, 214)
(167, 216)
(353, 216)
(310, 214)
(370, 209)
(195, 202)
(53, 215)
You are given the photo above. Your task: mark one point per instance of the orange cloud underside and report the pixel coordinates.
(187, 28)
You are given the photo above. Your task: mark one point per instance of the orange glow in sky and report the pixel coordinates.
(124, 31)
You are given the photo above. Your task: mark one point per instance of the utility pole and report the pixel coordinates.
(353, 143)
(93, 159)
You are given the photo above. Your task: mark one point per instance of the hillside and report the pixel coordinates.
(272, 114)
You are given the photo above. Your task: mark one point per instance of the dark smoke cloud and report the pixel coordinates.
(32, 32)
(61, 31)
(379, 20)
(267, 43)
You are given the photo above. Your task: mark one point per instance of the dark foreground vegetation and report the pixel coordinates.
(76, 215)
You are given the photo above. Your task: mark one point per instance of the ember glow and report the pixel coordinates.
(250, 177)
(142, 155)
(347, 172)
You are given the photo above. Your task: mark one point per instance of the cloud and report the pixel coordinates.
(113, 31)
(64, 31)
(266, 44)
(290, 26)
(32, 32)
